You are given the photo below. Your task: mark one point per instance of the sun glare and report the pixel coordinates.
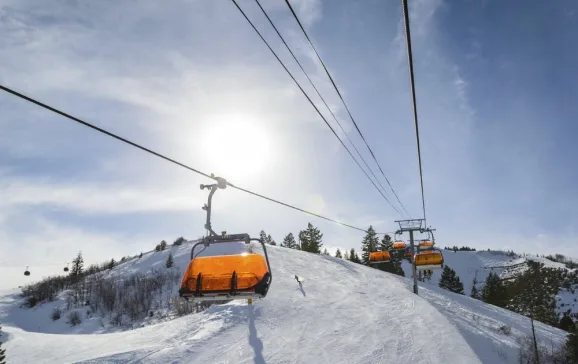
(237, 146)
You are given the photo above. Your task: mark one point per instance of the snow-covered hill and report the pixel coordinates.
(478, 264)
(343, 313)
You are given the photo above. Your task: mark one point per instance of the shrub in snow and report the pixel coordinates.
(73, 318)
(56, 313)
(2, 351)
(505, 329)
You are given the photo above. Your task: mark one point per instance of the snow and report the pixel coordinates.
(342, 312)
(478, 264)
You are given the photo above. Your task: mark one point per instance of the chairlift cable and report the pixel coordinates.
(319, 94)
(344, 104)
(414, 102)
(313, 104)
(93, 127)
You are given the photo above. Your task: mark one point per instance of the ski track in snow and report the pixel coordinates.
(342, 313)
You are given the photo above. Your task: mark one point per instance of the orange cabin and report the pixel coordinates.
(379, 257)
(429, 258)
(216, 274)
(399, 245)
(425, 244)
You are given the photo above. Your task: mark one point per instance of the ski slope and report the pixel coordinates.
(478, 264)
(342, 313)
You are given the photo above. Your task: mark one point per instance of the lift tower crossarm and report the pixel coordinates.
(410, 226)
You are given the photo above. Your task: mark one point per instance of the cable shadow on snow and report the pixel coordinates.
(302, 290)
(254, 340)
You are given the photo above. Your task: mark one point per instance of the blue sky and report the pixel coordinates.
(191, 79)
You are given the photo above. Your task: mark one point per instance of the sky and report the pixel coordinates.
(495, 86)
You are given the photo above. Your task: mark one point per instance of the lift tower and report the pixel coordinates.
(411, 226)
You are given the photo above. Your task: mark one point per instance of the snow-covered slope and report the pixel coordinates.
(478, 264)
(343, 313)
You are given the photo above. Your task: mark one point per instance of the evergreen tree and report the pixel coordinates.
(179, 241)
(494, 291)
(303, 244)
(533, 293)
(169, 262)
(163, 245)
(353, 256)
(566, 323)
(368, 244)
(111, 264)
(2, 351)
(77, 266)
(451, 281)
(140, 256)
(346, 255)
(311, 239)
(263, 236)
(270, 240)
(571, 349)
(289, 242)
(338, 254)
(386, 243)
(475, 292)
(394, 265)
(325, 252)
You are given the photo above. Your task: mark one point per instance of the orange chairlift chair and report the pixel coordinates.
(425, 244)
(427, 256)
(399, 244)
(225, 277)
(379, 257)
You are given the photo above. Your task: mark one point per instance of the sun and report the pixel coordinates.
(237, 146)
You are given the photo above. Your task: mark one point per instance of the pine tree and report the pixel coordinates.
(451, 281)
(303, 244)
(475, 292)
(163, 245)
(494, 291)
(325, 252)
(346, 255)
(368, 244)
(338, 254)
(263, 236)
(571, 349)
(111, 264)
(353, 256)
(2, 351)
(566, 323)
(169, 262)
(77, 266)
(311, 239)
(140, 256)
(533, 293)
(270, 240)
(386, 243)
(394, 265)
(289, 242)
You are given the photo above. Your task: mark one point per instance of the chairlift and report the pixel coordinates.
(379, 257)
(398, 244)
(431, 259)
(225, 277)
(425, 244)
(26, 272)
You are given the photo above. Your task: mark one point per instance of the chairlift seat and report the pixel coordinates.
(379, 257)
(399, 245)
(226, 277)
(429, 260)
